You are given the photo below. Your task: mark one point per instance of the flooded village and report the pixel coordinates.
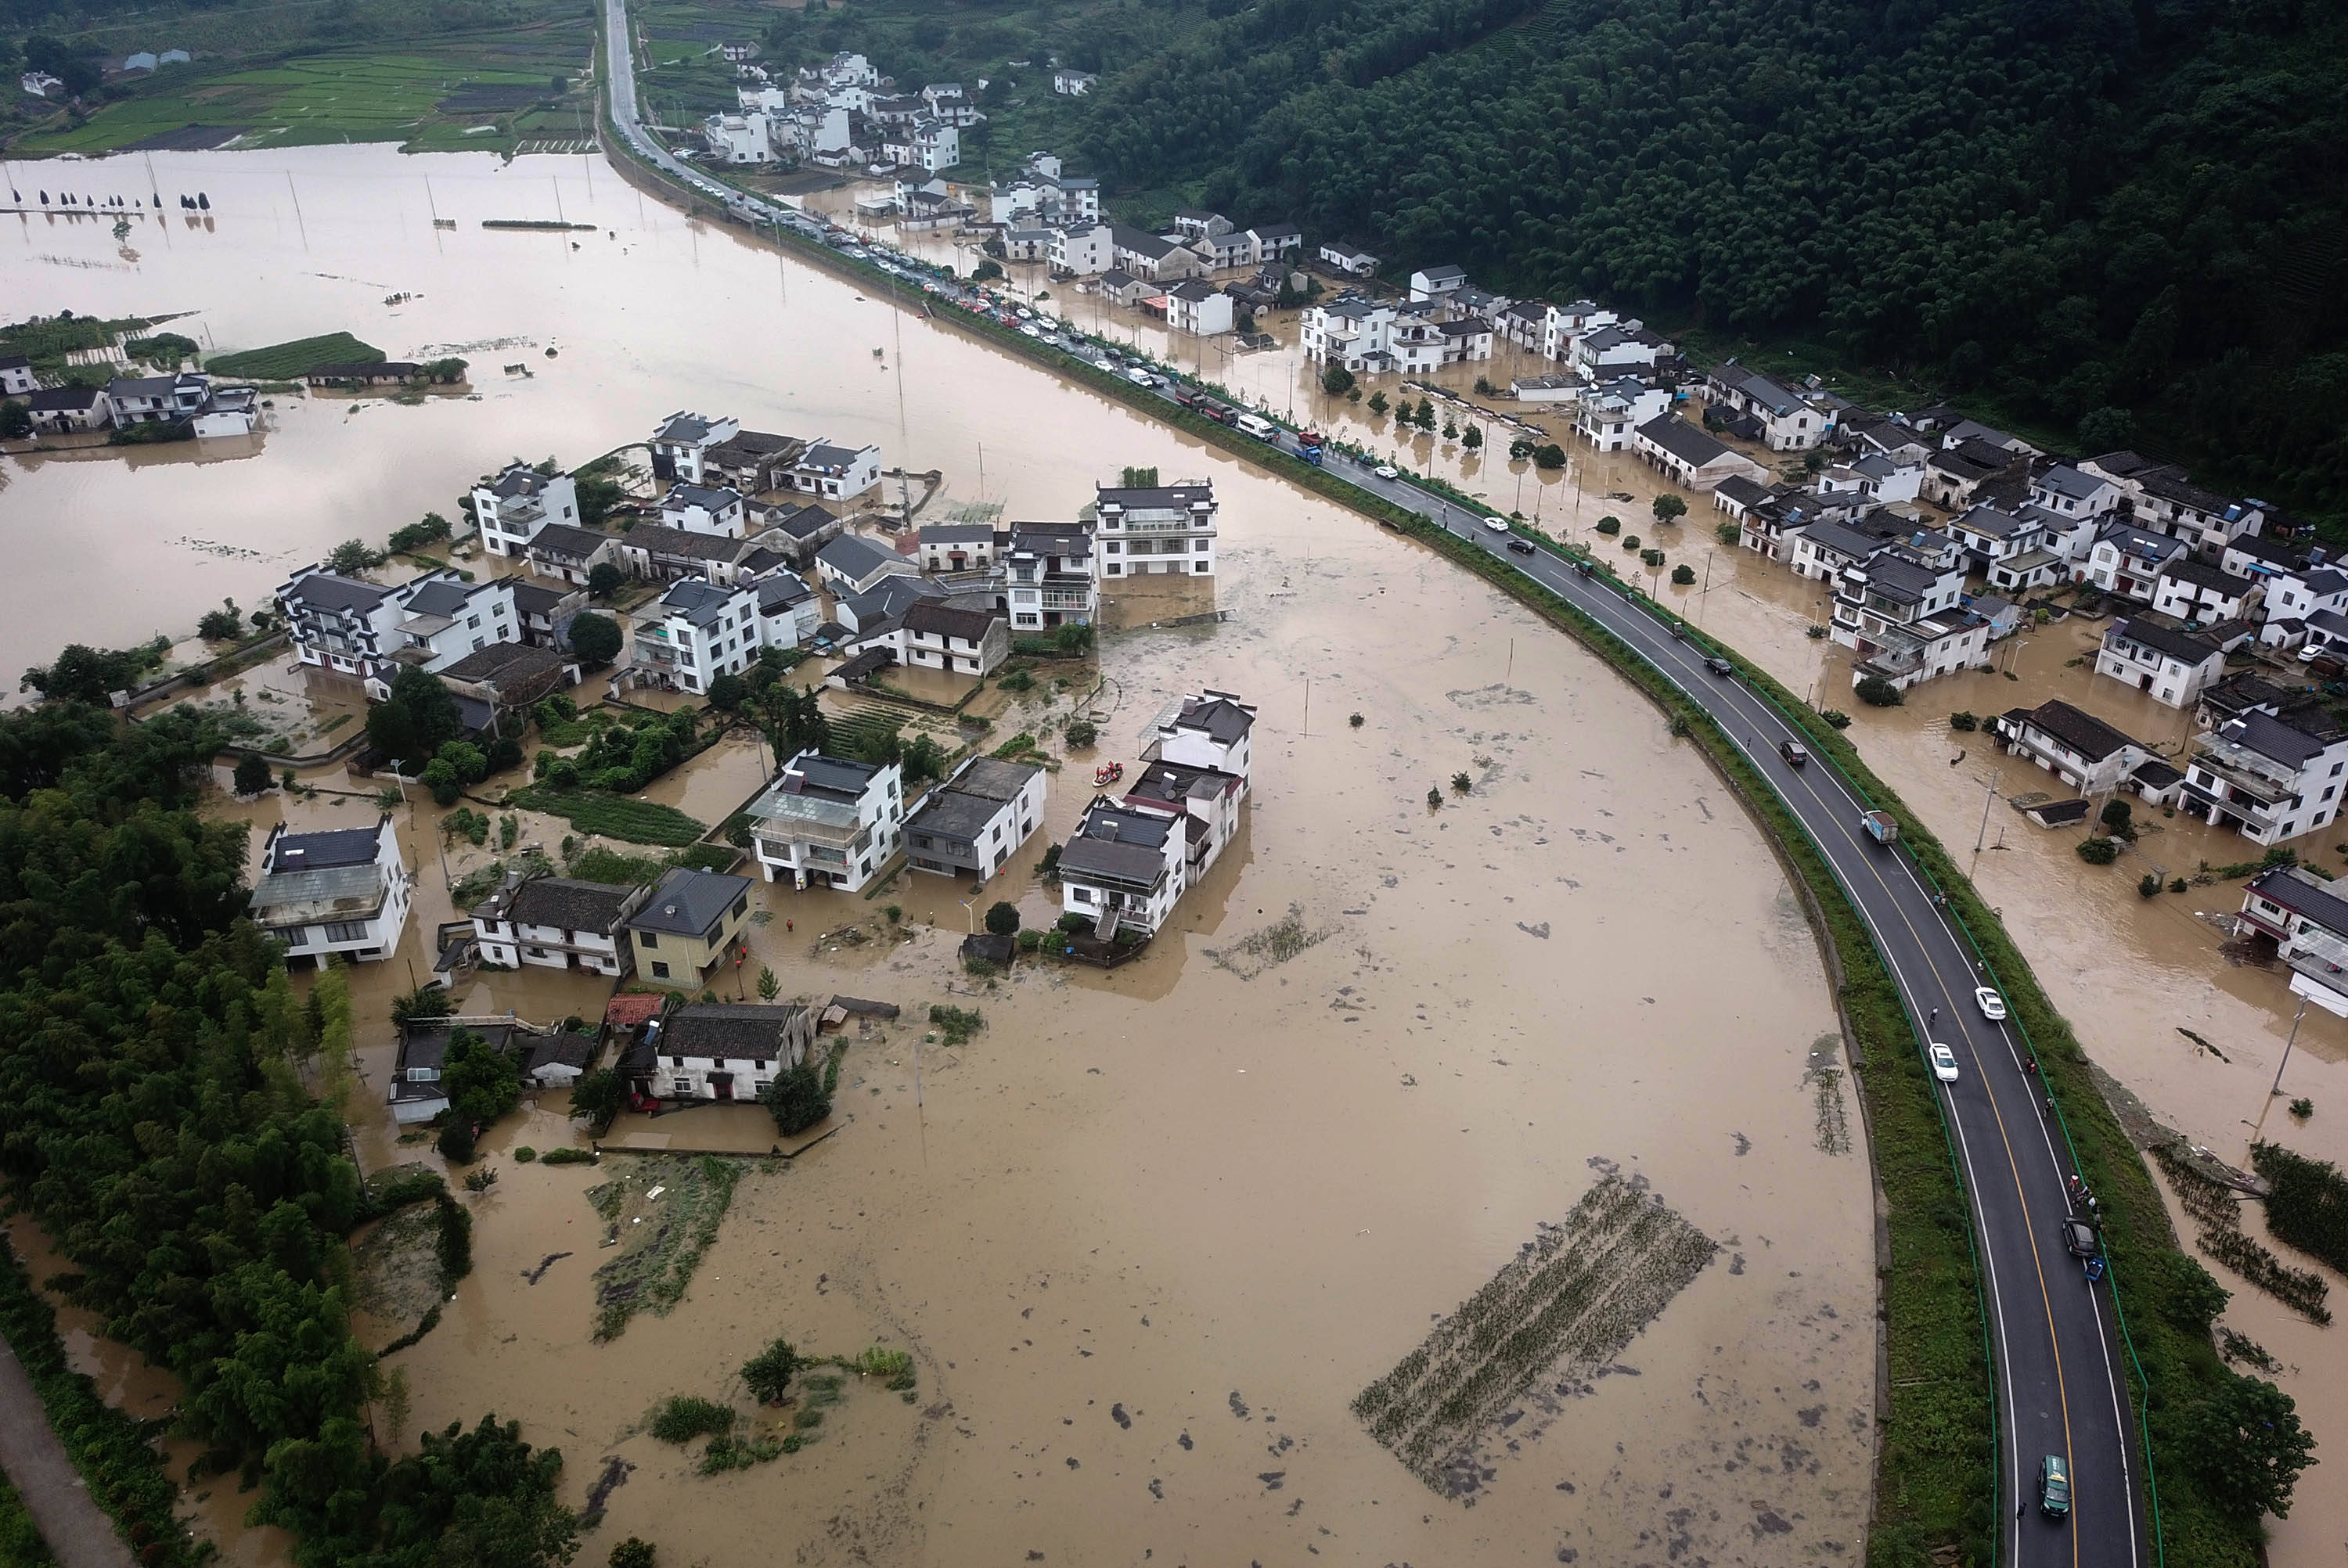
(1383, 942)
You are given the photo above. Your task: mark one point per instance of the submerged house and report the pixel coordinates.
(344, 891)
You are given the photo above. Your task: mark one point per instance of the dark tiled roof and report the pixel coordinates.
(327, 592)
(952, 814)
(738, 1032)
(1222, 721)
(944, 620)
(2271, 737)
(688, 903)
(1682, 440)
(2297, 893)
(576, 1052)
(2177, 644)
(835, 777)
(993, 778)
(683, 543)
(2200, 574)
(507, 660)
(563, 539)
(572, 904)
(2082, 732)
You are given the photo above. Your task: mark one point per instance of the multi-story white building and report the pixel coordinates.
(950, 638)
(973, 824)
(1050, 575)
(834, 473)
(341, 892)
(2295, 594)
(682, 439)
(1198, 307)
(1609, 416)
(696, 631)
(927, 143)
(558, 923)
(358, 628)
(1085, 249)
(1562, 324)
(2076, 747)
(2162, 499)
(2169, 665)
(716, 510)
(1792, 418)
(1624, 345)
(721, 1051)
(826, 822)
(2124, 561)
(2197, 593)
(511, 506)
(789, 610)
(738, 139)
(1127, 864)
(1376, 338)
(2266, 779)
(1156, 530)
(1900, 613)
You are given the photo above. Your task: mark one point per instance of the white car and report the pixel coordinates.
(1944, 1063)
(1140, 378)
(1029, 328)
(1497, 525)
(1384, 471)
(1993, 1005)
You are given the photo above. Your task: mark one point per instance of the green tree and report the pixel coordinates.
(482, 1082)
(1610, 524)
(15, 421)
(1472, 438)
(1519, 449)
(768, 1375)
(2104, 430)
(419, 717)
(2098, 851)
(1684, 575)
(1877, 692)
(1549, 455)
(596, 639)
(633, 1552)
(1337, 381)
(604, 579)
(251, 773)
(2244, 1443)
(353, 557)
(796, 1098)
(1669, 509)
(222, 625)
(1378, 404)
(1002, 919)
(769, 985)
(1425, 420)
(726, 693)
(598, 1098)
(2117, 818)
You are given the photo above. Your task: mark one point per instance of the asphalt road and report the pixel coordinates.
(2061, 1388)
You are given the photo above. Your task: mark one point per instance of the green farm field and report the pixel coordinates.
(492, 91)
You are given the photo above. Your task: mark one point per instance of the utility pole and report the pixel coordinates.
(2286, 1048)
(1991, 794)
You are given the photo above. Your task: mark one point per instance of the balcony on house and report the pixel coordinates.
(805, 830)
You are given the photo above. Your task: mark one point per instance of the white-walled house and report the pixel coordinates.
(826, 822)
(934, 635)
(1792, 418)
(2266, 779)
(2293, 595)
(1198, 307)
(1901, 615)
(1349, 259)
(957, 547)
(569, 554)
(1049, 575)
(1207, 729)
(696, 631)
(971, 824)
(705, 509)
(849, 566)
(2073, 495)
(1433, 282)
(738, 139)
(2171, 665)
(511, 506)
(362, 629)
(1084, 249)
(834, 473)
(726, 1050)
(2076, 747)
(345, 891)
(558, 923)
(2126, 561)
(1122, 868)
(1688, 455)
(680, 441)
(789, 611)
(2194, 591)
(1159, 529)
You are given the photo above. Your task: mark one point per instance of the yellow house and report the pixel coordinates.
(684, 929)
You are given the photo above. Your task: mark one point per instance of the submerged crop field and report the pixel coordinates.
(488, 91)
(1565, 1307)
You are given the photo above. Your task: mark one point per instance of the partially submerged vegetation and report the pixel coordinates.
(292, 361)
(1566, 1304)
(2218, 1209)
(2307, 1206)
(662, 1214)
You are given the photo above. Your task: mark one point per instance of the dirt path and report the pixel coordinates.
(77, 1528)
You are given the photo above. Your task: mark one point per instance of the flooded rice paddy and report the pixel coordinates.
(1147, 1234)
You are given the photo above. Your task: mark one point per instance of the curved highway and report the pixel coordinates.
(2060, 1384)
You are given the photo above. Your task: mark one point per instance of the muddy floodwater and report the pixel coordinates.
(1148, 1234)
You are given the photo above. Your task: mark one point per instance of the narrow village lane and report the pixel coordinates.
(78, 1531)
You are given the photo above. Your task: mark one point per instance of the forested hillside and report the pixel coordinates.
(2121, 221)
(2124, 222)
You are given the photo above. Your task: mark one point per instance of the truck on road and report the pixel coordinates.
(1880, 825)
